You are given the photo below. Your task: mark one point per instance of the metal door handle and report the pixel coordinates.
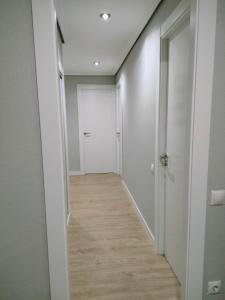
(87, 133)
(164, 160)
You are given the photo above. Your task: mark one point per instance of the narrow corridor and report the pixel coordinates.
(111, 255)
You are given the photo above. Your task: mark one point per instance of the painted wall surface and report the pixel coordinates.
(71, 83)
(138, 92)
(215, 220)
(24, 271)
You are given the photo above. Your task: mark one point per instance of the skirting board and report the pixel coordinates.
(75, 173)
(138, 211)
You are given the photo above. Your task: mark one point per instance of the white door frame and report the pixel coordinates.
(64, 121)
(66, 154)
(203, 36)
(81, 87)
(45, 41)
(44, 22)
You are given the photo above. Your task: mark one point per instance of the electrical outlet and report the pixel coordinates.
(214, 287)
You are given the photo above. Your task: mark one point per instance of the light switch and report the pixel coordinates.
(217, 197)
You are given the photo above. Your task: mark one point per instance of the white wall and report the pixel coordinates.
(24, 271)
(215, 220)
(71, 83)
(138, 93)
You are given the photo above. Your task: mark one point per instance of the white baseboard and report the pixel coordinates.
(68, 218)
(148, 230)
(75, 173)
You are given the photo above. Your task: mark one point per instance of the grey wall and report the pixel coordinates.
(138, 93)
(215, 221)
(71, 83)
(23, 246)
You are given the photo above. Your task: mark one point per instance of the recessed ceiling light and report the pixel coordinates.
(97, 63)
(105, 16)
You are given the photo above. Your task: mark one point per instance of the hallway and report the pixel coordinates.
(111, 256)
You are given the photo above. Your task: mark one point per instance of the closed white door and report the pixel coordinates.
(177, 145)
(97, 119)
(119, 131)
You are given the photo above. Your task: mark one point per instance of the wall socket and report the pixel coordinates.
(214, 287)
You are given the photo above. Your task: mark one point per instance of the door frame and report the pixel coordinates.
(203, 54)
(44, 21)
(81, 87)
(64, 121)
(45, 44)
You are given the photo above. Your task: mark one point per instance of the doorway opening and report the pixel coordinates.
(90, 192)
(103, 204)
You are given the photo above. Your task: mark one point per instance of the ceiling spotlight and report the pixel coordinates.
(105, 16)
(97, 63)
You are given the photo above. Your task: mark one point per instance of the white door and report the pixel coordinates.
(97, 119)
(119, 131)
(177, 147)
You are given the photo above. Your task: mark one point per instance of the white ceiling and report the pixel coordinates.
(88, 38)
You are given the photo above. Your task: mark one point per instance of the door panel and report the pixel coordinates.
(119, 132)
(178, 140)
(99, 130)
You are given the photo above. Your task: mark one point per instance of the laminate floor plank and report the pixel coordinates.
(111, 256)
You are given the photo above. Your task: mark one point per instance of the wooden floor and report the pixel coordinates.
(111, 256)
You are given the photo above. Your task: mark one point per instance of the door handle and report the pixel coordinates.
(87, 134)
(164, 160)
